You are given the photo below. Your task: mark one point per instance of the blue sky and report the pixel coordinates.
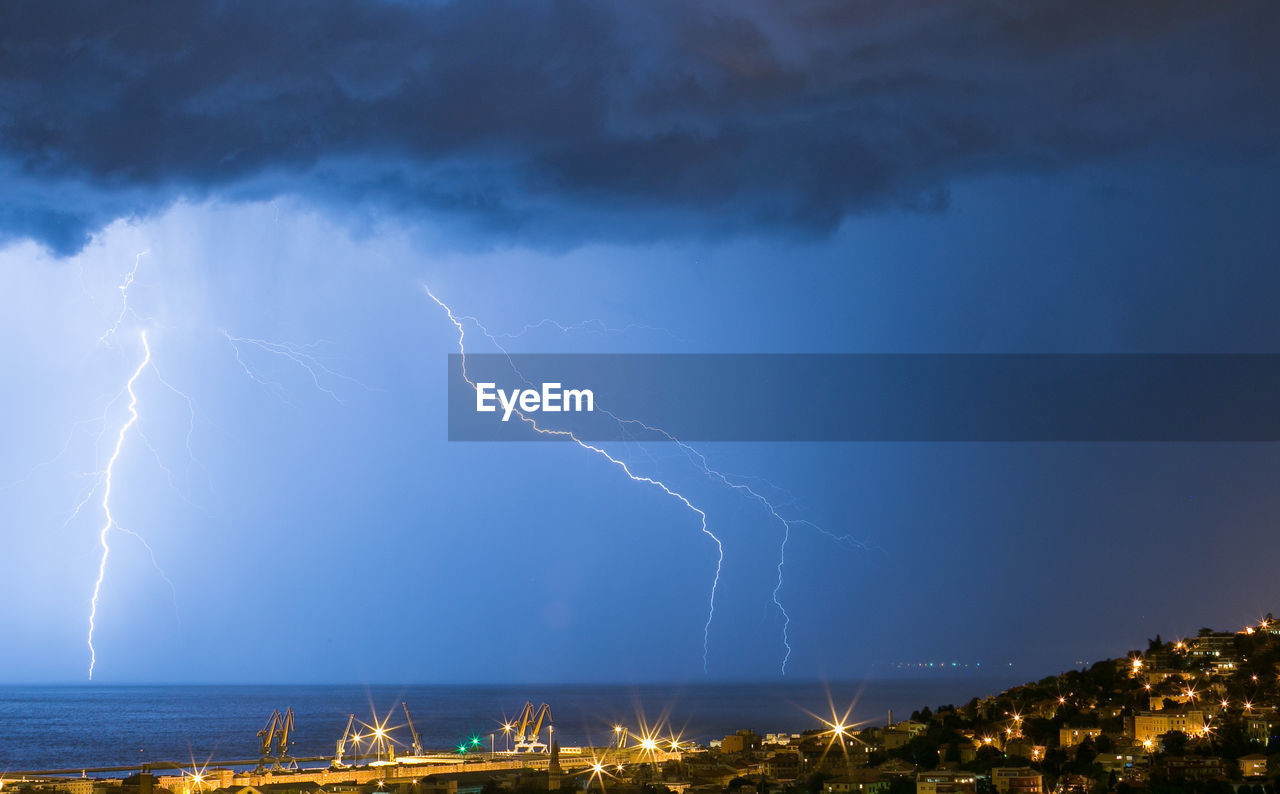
(890, 178)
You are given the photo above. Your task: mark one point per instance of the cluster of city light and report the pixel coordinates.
(650, 742)
(467, 745)
(1014, 731)
(197, 780)
(599, 771)
(193, 781)
(377, 732)
(839, 730)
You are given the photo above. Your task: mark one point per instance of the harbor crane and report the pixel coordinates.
(414, 736)
(274, 740)
(342, 744)
(528, 728)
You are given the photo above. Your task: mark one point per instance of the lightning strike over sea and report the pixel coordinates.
(727, 480)
(109, 519)
(697, 458)
(639, 478)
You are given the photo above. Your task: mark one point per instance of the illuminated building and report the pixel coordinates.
(1254, 765)
(898, 735)
(1151, 725)
(1258, 729)
(1017, 780)
(1194, 768)
(740, 742)
(1216, 652)
(945, 782)
(1070, 737)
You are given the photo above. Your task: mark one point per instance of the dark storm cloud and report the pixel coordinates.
(566, 120)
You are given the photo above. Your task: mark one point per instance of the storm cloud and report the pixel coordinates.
(571, 120)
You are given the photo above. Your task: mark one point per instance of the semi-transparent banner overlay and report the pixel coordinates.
(698, 397)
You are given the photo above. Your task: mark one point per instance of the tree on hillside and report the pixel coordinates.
(1175, 742)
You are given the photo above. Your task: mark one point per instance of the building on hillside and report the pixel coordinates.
(1148, 726)
(1258, 729)
(941, 781)
(1070, 737)
(1017, 780)
(898, 735)
(1215, 652)
(896, 768)
(962, 752)
(783, 765)
(1194, 768)
(1254, 765)
(740, 742)
(862, 781)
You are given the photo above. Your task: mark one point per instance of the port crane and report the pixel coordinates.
(414, 736)
(528, 727)
(342, 744)
(274, 740)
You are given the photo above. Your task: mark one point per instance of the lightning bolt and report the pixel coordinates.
(593, 325)
(300, 355)
(191, 428)
(696, 457)
(700, 460)
(104, 477)
(702, 516)
(124, 297)
(105, 532)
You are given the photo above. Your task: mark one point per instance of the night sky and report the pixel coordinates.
(745, 177)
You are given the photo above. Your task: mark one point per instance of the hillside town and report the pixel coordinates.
(1191, 714)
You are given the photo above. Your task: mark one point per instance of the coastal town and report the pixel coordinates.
(1191, 714)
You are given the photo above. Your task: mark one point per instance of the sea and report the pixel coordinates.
(84, 727)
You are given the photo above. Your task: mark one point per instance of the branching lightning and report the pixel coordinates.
(702, 516)
(191, 423)
(104, 477)
(307, 359)
(104, 533)
(299, 355)
(594, 325)
(697, 458)
(124, 297)
(700, 460)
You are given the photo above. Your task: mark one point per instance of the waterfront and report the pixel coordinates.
(44, 727)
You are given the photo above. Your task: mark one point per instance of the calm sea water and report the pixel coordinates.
(47, 727)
